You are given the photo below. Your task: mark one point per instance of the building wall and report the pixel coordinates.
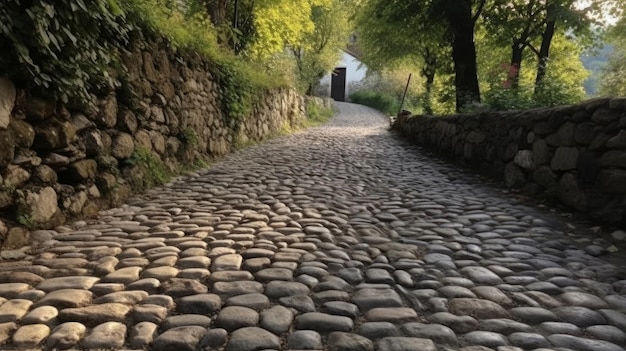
(355, 72)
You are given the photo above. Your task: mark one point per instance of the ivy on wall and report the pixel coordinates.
(61, 49)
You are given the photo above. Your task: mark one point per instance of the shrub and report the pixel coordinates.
(316, 114)
(155, 171)
(384, 102)
(63, 50)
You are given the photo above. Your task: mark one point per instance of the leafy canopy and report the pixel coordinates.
(279, 23)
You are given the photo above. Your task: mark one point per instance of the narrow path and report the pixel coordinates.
(338, 238)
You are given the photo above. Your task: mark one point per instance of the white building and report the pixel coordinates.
(337, 84)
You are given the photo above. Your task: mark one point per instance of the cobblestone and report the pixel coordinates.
(337, 238)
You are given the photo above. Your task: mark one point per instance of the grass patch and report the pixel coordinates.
(197, 164)
(154, 170)
(189, 137)
(386, 103)
(317, 115)
(27, 221)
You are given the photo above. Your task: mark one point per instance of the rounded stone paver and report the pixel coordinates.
(181, 338)
(341, 237)
(235, 317)
(30, 335)
(252, 339)
(405, 344)
(66, 335)
(339, 341)
(108, 335)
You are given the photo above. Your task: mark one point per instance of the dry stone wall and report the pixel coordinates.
(59, 161)
(573, 154)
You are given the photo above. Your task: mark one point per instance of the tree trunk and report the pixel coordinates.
(217, 11)
(463, 53)
(517, 51)
(544, 53)
(428, 71)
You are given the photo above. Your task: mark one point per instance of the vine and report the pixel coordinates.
(61, 49)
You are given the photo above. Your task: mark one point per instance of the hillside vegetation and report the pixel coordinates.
(70, 50)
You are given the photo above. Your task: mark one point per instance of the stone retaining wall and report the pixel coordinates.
(60, 161)
(573, 154)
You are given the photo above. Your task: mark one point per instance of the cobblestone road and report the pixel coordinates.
(338, 238)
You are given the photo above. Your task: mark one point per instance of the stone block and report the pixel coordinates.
(618, 103)
(80, 122)
(588, 166)
(544, 176)
(571, 193)
(123, 146)
(524, 159)
(142, 140)
(38, 109)
(514, 177)
(585, 133)
(38, 207)
(126, 121)
(613, 180)
(618, 141)
(45, 174)
(614, 158)
(599, 141)
(83, 170)
(564, 159)
(604, 115)
(541, 153)
(564, 136)
(93, 143)
(7, 101)
(22, 132)
(7, 148)
(46, 138)
(107, 114)
(16, 238)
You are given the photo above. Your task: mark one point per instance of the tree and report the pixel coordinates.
(461, 19)
(563, 83)
(582, 22)
(319, 50)
(393, 31)
(260, 28)
(515, 23)
(613, 80)
(279, 23)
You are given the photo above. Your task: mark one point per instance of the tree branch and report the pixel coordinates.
(479, 11)
(533, 48)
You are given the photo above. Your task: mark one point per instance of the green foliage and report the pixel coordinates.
(318, 115)
(279, 23)
(186, 29)
(155, 171)
(63, 50)
(66, 51)
(613, 79)
(236, 91)
(425, 33)
(397, 36)
(188, 136)
(562, 85)
(26, 220)
(197, 164)
(320, 50)
(383, 102)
